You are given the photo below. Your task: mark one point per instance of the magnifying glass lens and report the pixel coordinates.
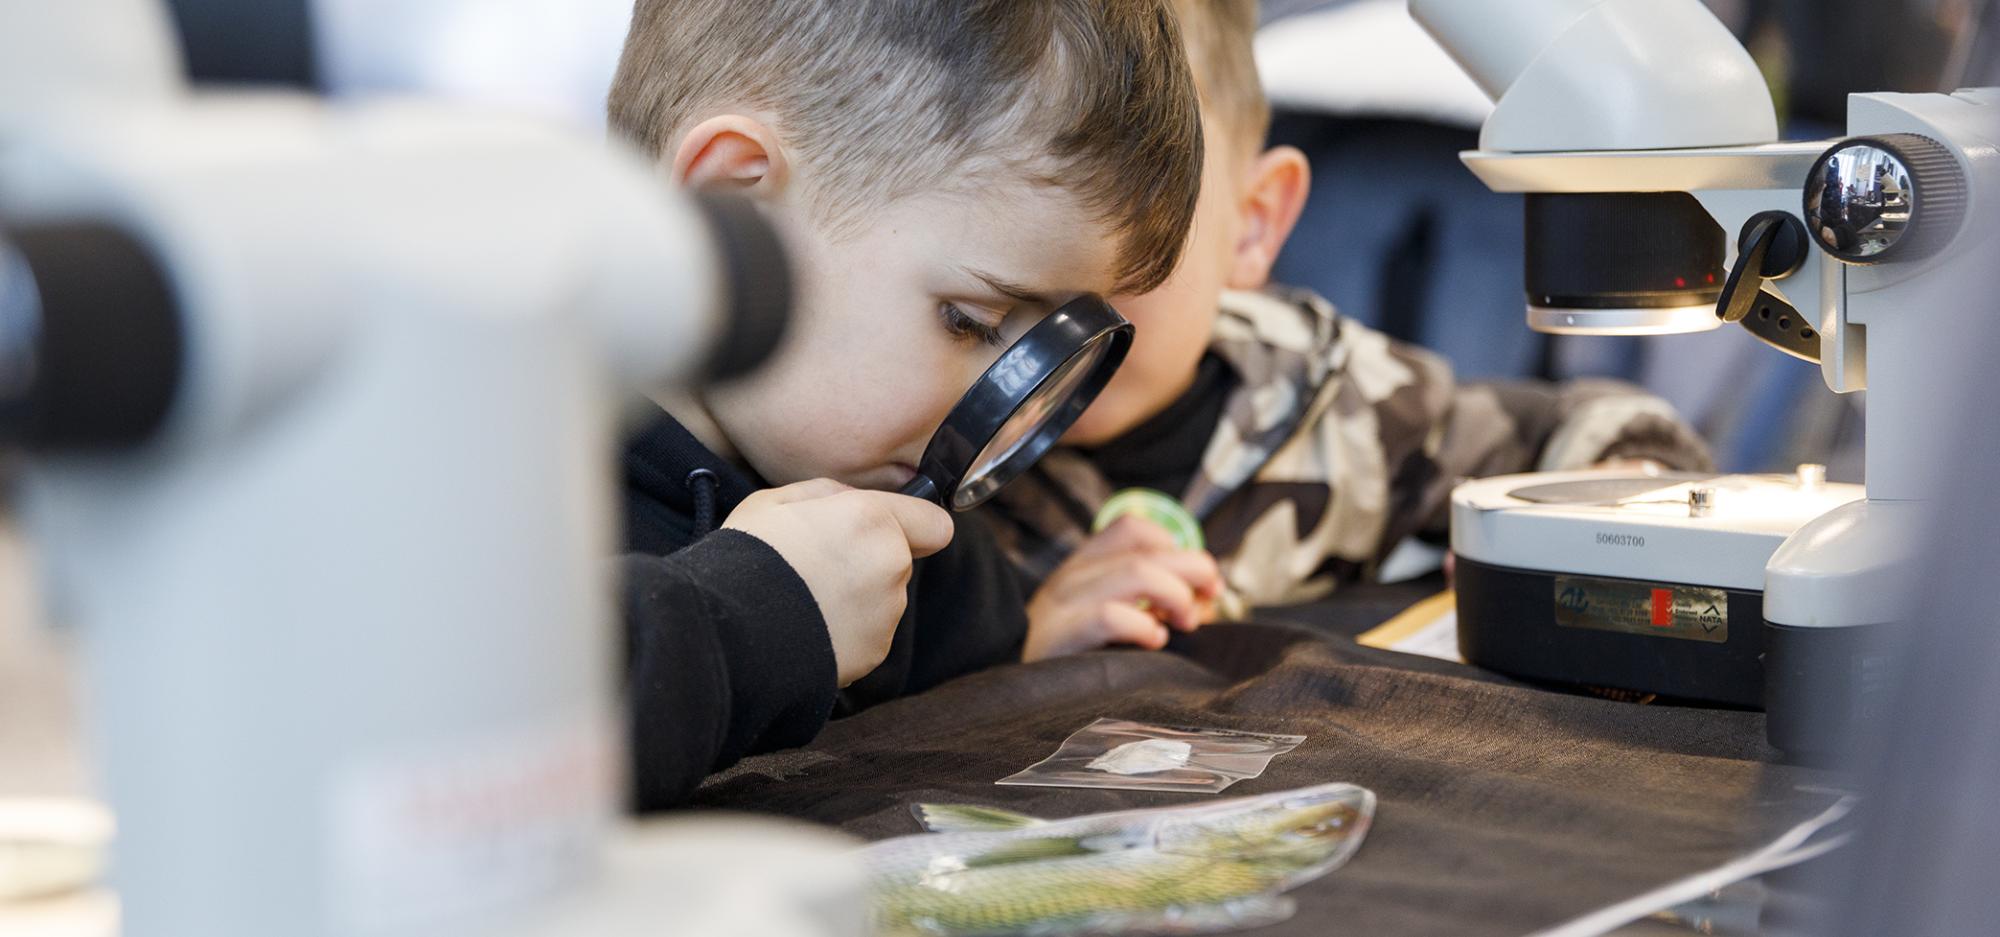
(1023, 403)
(1046, 402)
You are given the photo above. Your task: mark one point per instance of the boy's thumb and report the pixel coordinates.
(926, 526)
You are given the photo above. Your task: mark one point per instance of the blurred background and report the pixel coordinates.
(1397, 233)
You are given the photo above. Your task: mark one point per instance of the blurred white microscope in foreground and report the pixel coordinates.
(319, 408)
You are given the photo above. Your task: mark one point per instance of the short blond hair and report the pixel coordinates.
(1221, 41)
(1092, 96)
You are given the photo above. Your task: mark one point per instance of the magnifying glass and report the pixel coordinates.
(1022, 404)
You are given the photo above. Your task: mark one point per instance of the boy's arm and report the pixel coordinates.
(728, 655)
(1500, 427)
(1504, 427)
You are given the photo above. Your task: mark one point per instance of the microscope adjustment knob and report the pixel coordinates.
(1894, 197)
(1772, 247)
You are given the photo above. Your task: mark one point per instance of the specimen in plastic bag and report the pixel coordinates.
(1170, 870)
(1138, 756)
(1145, 756)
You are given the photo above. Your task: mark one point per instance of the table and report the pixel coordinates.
(1505, 809)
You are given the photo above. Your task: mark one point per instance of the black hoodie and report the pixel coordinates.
(726, 650)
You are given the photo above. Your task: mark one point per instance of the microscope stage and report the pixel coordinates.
(1606, 578)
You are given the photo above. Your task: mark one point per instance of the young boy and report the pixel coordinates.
(1308, 445)
(946, 171)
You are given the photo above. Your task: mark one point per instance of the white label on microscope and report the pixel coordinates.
(456, 834)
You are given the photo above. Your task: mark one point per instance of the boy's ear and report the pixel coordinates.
(1279, 181)
(734, 153)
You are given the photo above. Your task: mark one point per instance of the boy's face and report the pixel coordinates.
(896, 319)
(1172, 323)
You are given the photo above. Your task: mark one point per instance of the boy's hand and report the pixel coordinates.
(1126, 585)
(853, 548)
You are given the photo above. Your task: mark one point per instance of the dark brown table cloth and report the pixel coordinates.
(1504, 808)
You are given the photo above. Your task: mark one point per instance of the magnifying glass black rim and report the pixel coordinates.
(1074, 328)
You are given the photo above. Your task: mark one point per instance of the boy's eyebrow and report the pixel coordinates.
(1012, 291)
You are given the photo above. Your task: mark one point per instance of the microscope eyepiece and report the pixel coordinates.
(91, 341)
(758, 281)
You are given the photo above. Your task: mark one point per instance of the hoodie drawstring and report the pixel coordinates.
(703, 484)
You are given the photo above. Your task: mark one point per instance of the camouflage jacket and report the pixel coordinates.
(1334, 445)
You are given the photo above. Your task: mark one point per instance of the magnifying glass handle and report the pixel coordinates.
(922, 487)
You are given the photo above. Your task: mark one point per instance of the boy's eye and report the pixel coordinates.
(965, 327)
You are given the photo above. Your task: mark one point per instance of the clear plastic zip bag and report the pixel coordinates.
(1134, 756)
(1217, 866)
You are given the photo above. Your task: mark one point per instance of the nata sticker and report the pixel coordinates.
(1691, 613)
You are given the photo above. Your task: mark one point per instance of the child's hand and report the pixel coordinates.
(853, 548)
(1126, 585)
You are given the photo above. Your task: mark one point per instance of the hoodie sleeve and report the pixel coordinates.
(1518, 426)
(728, 656)
(1504, 427)
(1379, 444)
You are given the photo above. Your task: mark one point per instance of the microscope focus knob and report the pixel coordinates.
(1894, 197)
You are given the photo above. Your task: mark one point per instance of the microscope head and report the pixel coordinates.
(1633, 256)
